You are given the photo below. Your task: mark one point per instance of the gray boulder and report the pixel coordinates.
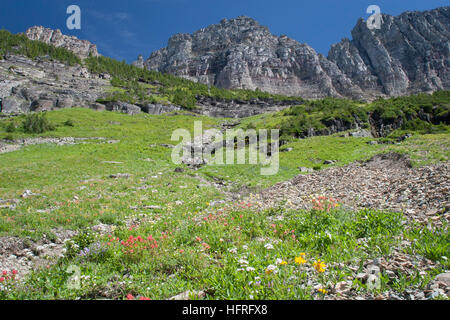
(157, 109)
(14, 104)
(43, 105)
(123, 107)
(363, 133)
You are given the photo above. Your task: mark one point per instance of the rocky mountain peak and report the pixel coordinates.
(81, 48)
(409, 54)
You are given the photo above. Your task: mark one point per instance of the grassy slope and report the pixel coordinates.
(199, 247)
(58, 173)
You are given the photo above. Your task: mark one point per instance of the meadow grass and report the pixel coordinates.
(230, 251)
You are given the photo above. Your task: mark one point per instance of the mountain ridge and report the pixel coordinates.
(408, 55)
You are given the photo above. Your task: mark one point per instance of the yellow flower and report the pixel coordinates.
(283, 263)
(320, 266)
(301, 259)
(321, 290)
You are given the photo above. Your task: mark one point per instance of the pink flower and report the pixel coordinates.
(14, 272)
(5, 273)
(130, 297)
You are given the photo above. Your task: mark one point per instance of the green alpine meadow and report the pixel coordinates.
(109, 191)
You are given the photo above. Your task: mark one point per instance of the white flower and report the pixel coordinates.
(268, 246)
(243, 261)
(271, 268)
(232, 250)
(278, 261)
(250, 269)
(244, 247)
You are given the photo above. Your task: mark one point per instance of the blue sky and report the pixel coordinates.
(123, 29)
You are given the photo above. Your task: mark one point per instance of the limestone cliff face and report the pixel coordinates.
(81, 48)
(409, 54)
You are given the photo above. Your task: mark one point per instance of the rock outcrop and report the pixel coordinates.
(81, 48)
(41, 85)
(409, 54)
(223, 108)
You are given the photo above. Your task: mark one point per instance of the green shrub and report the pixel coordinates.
(69, 123)
(79, 242)
(11, 127)
(37, 123)
(433, 244)
(20, 44)
(184, 98)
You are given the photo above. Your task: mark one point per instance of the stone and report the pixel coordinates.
(362, 277)
(305, 169)
(123, 107)
(119, 175)
(437, 293)
(443, 277)
(157, 109)
(97, 106)
(343, 286)
(361, 134)
(188, 294)
(64, 103)
(152, 207)
(391, 274)
(27, 194)
(42, 105)
(13, 104)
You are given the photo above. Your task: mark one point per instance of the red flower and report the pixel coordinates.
(5, 273)
(14, 272)
(130, 297)
(144, 298)
(2, 279)
(206, 246)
